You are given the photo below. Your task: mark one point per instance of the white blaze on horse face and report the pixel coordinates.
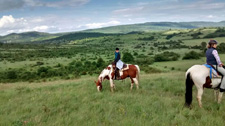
(98, 88)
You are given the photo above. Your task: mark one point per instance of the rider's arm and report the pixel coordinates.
(215, 53)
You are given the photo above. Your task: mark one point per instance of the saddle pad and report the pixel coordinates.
(123, 69)
(213, 72)
(119, 64)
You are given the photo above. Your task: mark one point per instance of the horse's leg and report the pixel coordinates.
(199, 96)
(132, 83)
(220, 97)
(136, 82)
(111, 85)
(216, 92)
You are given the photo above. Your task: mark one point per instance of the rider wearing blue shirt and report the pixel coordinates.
(117, 58)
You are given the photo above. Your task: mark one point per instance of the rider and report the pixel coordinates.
(212, 58)
(117, 58)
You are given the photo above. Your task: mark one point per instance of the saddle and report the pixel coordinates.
(119, 73)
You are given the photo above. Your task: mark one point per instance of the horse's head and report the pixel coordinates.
(99, 85)
(104, 75)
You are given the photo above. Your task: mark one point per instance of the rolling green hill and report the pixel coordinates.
(156, 26)
(73, 36)
(40, 37)
(26, 37)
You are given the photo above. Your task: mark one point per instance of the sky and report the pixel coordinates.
(54, 16)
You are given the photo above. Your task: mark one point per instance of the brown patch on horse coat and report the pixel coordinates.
(106, 77)
(207, 83)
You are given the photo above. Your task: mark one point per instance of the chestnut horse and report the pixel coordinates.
(108, 73)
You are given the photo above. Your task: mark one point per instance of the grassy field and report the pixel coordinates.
(159, 101)
(53, 86)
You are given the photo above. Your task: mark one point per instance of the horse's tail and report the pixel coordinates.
(138, 72)
(189, 85)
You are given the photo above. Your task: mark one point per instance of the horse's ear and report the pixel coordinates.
(95, 81)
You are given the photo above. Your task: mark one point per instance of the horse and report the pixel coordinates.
(199, 75)
(108, 73)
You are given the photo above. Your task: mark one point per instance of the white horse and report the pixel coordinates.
(108, 73)
(199, 75)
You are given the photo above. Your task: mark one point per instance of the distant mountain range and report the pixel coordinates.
(120, 29)
(157, 26)
(27, 37)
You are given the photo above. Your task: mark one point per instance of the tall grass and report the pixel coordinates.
(159, 101)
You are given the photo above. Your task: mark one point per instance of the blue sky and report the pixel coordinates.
(74, 15)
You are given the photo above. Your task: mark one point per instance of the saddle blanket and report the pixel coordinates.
(212, 71)
(119, 64)
(125, 67)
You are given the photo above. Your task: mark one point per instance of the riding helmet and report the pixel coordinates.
(213, 42)
(117, 49)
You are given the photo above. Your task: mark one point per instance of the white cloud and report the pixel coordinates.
(6, 20)
(9, 24)
(128, 11)
(100, 25)
(41, 28)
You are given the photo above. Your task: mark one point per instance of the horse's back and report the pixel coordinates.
(198, 73)
(197, 69)
(132, 71)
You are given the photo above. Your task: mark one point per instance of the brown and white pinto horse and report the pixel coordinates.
(108, 73)
(198, 75)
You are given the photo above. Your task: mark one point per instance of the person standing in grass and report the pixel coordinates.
(212, 58)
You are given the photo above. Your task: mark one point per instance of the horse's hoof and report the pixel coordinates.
(187, 106)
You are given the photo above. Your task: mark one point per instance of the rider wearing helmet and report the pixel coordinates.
(117, 58)
(212, 58)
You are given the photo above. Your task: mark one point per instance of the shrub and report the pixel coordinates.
(149, 69)
(11, 74)
(127, 57)
(166, 56)
(42, 70)
(221, 48)
(100, 62)
(192, 55)
(135, 54)
(144, 61)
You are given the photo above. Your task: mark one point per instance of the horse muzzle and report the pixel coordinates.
(99, 88)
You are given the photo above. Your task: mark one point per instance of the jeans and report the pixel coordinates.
(222, 71)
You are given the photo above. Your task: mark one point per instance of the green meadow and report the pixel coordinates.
(159, 101)
(51, 82)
